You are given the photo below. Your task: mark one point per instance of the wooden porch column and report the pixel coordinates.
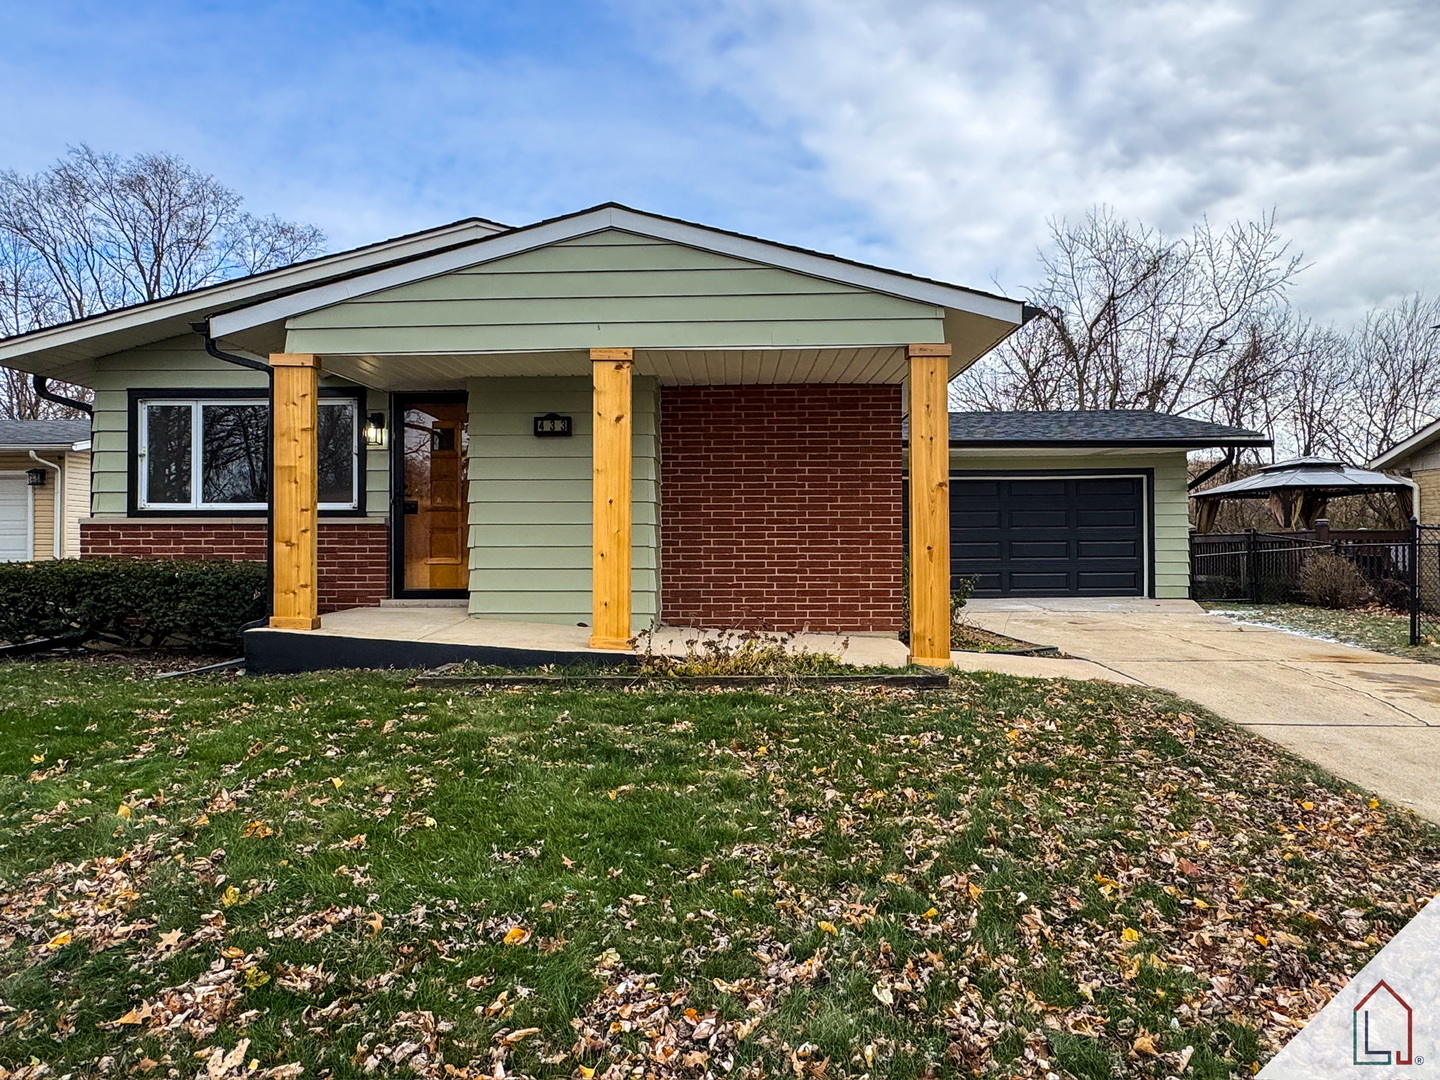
(929, 505)
(296, 496)
(611, 476)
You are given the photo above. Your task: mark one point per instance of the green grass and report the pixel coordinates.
(1369, 628)
(1015, 877)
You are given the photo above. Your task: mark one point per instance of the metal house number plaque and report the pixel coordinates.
(552, 426)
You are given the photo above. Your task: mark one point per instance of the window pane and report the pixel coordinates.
(167, 453)
(232, 457)
(337, 452)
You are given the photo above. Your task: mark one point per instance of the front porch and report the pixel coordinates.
(412, 635)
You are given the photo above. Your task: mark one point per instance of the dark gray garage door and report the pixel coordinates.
(1081, 536)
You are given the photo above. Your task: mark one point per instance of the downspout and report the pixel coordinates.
(203, 329)
(57, 513)
(44, 393)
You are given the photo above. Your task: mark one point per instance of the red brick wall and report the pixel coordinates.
(781, 507)
(354, 556)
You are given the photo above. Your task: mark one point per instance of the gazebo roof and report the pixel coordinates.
(1329, 477)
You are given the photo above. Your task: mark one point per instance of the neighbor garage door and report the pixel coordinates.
(14, 519)
(1049, 536)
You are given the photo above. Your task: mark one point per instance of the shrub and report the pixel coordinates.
(737, 653)
(131, 602)
(1333, 582)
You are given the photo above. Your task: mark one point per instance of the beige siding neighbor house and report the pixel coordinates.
(44, 488)
(1417, 457)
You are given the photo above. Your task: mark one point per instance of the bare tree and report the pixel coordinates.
(96, 232)
(1396, 376)
(1131, 318)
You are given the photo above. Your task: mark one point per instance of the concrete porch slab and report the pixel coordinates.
(417, 635)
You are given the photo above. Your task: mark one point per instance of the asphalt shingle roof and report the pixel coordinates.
(1096, 427)
(43, 432)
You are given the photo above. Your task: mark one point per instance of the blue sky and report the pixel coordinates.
(933, 135)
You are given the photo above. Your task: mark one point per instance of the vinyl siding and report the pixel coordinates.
(613, 288)
(179, 364)
(77, 499)
(530, 508)
(1427, 508)
(1171, 552)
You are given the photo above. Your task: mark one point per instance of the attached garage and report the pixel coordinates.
(1084, 504)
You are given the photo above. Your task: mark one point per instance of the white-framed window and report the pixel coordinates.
(212, 453)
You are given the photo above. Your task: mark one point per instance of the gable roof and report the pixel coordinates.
(64, 350)
(615, 216)
(28, 434)
(1096, 427)
(1394, 457)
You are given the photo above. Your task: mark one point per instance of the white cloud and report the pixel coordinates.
(962, 126)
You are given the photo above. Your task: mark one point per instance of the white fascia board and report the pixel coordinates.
(1400, 450)
(521, 240)
(195, 305)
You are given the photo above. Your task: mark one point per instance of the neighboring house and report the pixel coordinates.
(44, 488)
(1076, 503)
(1417, 457)
(610, 419)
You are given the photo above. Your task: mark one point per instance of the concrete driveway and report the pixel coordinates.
(1371, 718)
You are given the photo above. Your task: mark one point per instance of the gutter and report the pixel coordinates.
(44, 393)
(57, 512)
(203, 329)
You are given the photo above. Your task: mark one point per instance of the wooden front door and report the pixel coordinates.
(433, 522)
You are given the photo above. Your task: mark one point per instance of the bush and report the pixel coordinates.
(131, 602)
(1333, 582)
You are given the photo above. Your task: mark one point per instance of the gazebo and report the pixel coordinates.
(1299, 490)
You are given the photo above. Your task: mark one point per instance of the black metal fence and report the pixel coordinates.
(1265, 567)
(1425, 587)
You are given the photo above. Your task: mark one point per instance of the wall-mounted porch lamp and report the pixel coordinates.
(375, 429)
(35, 477)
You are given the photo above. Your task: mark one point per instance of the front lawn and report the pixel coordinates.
(343, 876)
(1369, 628)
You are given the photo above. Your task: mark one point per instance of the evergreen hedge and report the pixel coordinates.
(131, 602)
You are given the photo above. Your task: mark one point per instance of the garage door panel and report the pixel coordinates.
(1021, 536)
(1038, 583)
(1095, 518)
(1040, 549)
(1108, 549)
(1035, 489)
(975, 519)
(979, 549)
(1106, 485)
(14, 519)
(1102, 583)
(1039, 519)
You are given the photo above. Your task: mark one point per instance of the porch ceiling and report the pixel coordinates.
(671, 367)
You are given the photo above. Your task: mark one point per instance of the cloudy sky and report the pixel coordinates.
(937, 136)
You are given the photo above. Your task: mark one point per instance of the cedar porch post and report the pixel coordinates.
(295, 551)
(611, 476)
(929, 505)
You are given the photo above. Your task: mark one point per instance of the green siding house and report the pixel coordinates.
(607, 421)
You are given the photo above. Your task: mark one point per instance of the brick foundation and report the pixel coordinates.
(781, 507)
(354, 555)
